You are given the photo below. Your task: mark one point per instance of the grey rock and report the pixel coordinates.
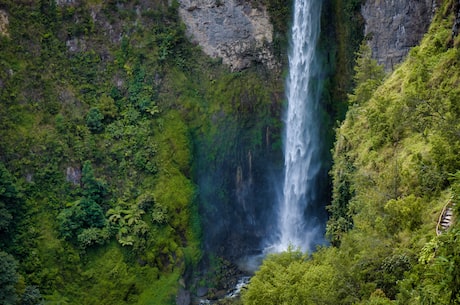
(73, 175)
(29, 177)
(183, 297)
(201, 291)
(233, 30)
(64, 2)
(76, 45)
(395, 26)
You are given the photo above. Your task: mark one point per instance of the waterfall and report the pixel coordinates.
(298, 223)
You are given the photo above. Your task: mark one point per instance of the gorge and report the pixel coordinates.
(147, 149)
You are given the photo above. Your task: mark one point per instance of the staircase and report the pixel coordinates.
(445, 218)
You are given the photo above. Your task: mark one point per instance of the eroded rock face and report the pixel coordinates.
(233, 30)
(395, 26)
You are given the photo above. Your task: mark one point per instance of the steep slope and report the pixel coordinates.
(104, 104)
(396, 165)
(84, 143)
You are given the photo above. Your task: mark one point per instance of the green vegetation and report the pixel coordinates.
(347, 31)
(104, 105)
(108, 116)
(396, 164)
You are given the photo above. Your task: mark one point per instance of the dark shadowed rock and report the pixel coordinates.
(201, 291)
(183, 297)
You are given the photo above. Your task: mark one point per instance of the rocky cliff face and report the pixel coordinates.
(395, 26)
(234, 30)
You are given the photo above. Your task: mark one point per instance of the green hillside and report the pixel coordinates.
(102, 106)
(110, 118)
(396, 165)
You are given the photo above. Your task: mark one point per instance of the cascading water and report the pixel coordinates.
(301, 214)
(298, 222)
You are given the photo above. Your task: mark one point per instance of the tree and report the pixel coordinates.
(368, 75)
(404, 213)
(31, 296)
(93, 188)
(291, 278)
(11, 207)
(94, 120)
(8, 279)
(70, 221)
(107, 107)
(93, 215)
(8, 197)
(84, 221)
(131, 228)
(84, 224)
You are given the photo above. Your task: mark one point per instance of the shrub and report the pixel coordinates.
(94, 120)
(8, 279)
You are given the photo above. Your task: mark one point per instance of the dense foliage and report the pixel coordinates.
(396, 165)
(103, 105)
(109, 119)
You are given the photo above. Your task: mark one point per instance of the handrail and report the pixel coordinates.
(438, 230)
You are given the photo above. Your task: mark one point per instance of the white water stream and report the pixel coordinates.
(302, 142)
(302, 148)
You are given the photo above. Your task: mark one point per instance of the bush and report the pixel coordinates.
(404, 213)
(289, 278)
(31, 296)
(93, 236)
(8, 279)
(94, 120)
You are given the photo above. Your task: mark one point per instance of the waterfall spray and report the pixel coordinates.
(297, 223)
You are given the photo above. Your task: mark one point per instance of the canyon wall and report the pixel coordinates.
(395, 26)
